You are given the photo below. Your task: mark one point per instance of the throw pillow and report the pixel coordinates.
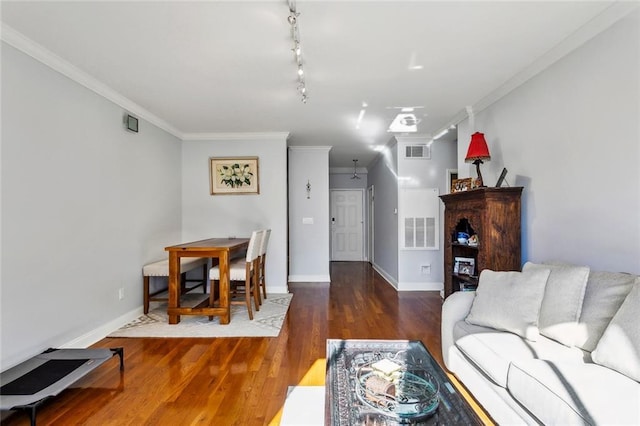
(562, 301)
(605, 293)
(509, 301)
(619, 346)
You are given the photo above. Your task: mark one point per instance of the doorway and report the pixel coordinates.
(347, 225)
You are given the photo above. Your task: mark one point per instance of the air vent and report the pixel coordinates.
(420, 232)
(417, 151)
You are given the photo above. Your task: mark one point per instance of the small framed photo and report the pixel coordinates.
(132, 123)
(233, 175)
(464, 266)
(460, 185)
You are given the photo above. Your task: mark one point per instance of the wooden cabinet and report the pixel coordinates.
(494, 216)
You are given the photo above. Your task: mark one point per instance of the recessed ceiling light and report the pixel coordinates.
(404, 123)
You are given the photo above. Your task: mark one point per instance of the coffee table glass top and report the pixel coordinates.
(390, 382)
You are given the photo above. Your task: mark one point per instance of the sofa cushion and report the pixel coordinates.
(562, 301)
(604, 294)
(492, 351)
(574, 393)
(509, 301)
(619, 347)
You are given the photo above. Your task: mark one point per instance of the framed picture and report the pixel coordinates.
(459, 185)
(233, 175)
(464, 265)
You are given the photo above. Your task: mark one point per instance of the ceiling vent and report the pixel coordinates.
(417, 151)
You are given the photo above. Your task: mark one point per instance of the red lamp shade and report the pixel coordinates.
(478, 149)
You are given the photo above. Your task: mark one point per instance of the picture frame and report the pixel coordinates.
(234, 175)
(460, 185)
(464, 266)
(501, 178)
(132, 123)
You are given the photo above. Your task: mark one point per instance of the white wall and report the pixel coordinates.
(383, 175)
(309, 255)
(571, 137)
(424, 173)
(205, 215)
(343, 180)
(85, 204)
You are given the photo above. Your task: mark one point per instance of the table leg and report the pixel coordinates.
(174, 286)
(224, 288)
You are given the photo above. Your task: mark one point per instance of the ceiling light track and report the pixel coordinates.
(297, 50)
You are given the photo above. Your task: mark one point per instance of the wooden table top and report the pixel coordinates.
(210, 243)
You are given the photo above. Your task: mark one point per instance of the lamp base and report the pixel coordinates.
(479, 182)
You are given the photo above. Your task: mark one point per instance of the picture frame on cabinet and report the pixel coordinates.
(460, 185)
(464, 266)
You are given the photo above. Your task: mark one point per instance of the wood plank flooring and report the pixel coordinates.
(243, 381)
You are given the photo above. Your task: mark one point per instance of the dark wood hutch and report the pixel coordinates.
(494, 216)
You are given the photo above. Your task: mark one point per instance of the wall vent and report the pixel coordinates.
(417, 151)
(419, 225)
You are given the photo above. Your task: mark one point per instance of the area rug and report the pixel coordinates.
(266, 322)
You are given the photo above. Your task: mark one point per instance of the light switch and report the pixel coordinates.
(307, 221)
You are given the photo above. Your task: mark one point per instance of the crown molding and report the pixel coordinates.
(310, 148)
(234, 136)
(19, 41)
(414, 138)
(597, 25)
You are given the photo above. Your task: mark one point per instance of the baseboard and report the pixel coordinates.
(103, 331)
(388, 278)
(277, 290)
(420, 286)
(309, 278)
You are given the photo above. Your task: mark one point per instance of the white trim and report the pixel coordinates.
(235, 136)
(309, 279)
(420, 286)
(277, 290)
(310, 148)
(604, 20)
(388, 278)
(103, 331)
(55, 62)
(40, 53)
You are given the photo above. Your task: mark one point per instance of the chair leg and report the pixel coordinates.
(263, 277)
(247, 297)
(256, 287)
(145, 296)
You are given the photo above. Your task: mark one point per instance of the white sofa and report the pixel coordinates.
(554, 344)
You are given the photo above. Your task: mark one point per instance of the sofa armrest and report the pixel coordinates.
(455, 308)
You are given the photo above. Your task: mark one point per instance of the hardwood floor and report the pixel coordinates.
(243, 381)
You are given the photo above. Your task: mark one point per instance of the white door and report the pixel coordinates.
(346, 225)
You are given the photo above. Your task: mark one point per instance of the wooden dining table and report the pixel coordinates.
(222, 249)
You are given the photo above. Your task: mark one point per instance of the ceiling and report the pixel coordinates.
(201, 69)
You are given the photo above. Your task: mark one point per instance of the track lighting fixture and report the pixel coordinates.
(297, 49)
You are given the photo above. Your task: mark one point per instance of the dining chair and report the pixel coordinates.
(263, 258)
(244, 276)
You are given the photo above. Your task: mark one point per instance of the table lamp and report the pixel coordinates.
(477, 152)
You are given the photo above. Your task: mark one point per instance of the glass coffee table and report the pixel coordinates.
(390, 382)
